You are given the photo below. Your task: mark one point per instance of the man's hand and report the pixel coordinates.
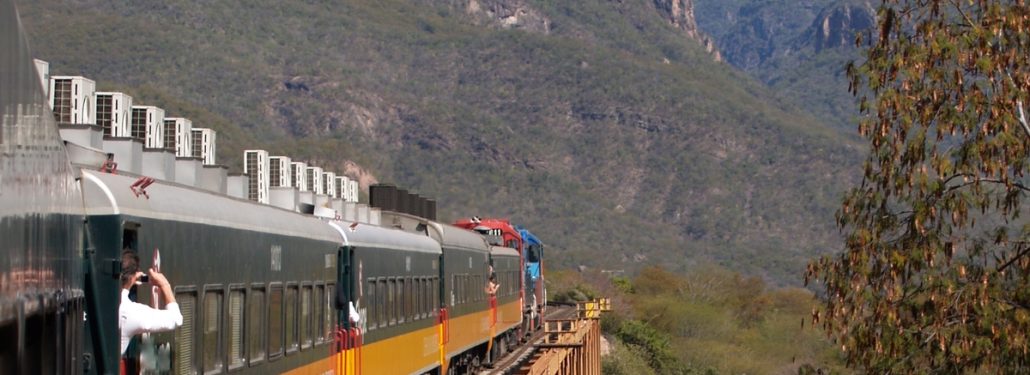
(157, 278)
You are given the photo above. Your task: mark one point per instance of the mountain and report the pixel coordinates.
(798, 48)
(610, 128)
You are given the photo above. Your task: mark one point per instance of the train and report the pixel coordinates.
(262, 289)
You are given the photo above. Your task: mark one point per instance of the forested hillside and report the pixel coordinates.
(607, 127)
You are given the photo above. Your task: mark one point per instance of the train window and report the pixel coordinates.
(420, 297)
(427, 300)
(255, 324)
(466, 284)
(184, 334)
(381, 316)
(329, 323)
(457, 289)
(409, 298)
(480, 289)
(305, 317)
(466, 295)
(402, 299)
(462, 290)
(454, 289)
(391, 300)
(212, 331)
(290, 313)
(409, 301)
(275, 321)
(320, 311)
(436, 293)
(235, 326)
(371, 305)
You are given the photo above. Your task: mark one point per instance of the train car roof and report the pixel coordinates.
(528, 236)
(376, 236)
(504, 251)
(109, 194)
(455, 237)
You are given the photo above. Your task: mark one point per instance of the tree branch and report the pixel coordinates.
(1020, 254)
(991, 180)
(1022, 118)
(958, 8)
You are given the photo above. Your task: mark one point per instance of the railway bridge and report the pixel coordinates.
(569, 344)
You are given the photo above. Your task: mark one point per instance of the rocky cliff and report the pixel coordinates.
(680, 13)
(836, 26)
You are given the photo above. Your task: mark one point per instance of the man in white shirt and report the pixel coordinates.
(136, 318)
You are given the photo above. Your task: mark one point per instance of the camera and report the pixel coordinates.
(144, 279)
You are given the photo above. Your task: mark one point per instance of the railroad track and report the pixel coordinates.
(516, 357)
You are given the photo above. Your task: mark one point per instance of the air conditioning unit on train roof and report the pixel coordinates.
(256, 165)
(298, 176)
(114, 113)
(329, 184)
(279, 171)
(72, 99)
(313, 176)
(204, 144)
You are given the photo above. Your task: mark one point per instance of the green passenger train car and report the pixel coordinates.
(255, 284)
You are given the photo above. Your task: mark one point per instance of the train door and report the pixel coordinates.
(349, 335)
(344, 285)
(130, 243)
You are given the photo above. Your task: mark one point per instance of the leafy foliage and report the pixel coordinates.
(936, 271)
(710, 321)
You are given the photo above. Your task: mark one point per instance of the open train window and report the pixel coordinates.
(533, 255)
(130, 242)
(130, 235)
(275, 321)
